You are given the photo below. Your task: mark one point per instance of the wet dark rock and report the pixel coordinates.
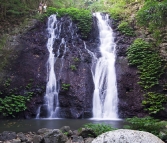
(7, 135)
(22, 137)
(86, 132)
(55, 137)
(44, 131)
(89, 140)
(43, 111)
(37, 139)
(77, 139)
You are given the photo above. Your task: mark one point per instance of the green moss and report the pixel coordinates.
(4, 55)
(3, 41)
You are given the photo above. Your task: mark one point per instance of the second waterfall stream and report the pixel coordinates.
(105, 99)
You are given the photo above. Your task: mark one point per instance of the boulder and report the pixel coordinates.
(55, 137)
(7, 135)
(87, 133)
(127, 136)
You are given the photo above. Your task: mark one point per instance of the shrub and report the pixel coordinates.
(99, 128)
(147, 124)
(154, 102)
(153, 14)
(125, 28)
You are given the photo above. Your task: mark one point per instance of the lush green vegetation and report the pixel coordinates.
(99, 128)
(154, 102)
(11, 102)
(148, 124)
(148, 61)
(144, 56)
(126, 29)
(83, 18)
(10, 105)
(15, 8)
(153, 14)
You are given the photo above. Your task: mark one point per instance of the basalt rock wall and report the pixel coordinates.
(27, 72)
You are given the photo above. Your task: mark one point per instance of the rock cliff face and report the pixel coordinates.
(130, 93)
(27, 71)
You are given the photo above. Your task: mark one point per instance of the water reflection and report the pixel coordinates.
(35, 124)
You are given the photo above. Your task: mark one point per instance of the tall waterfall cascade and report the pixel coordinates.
(52, 90)
(105, 100)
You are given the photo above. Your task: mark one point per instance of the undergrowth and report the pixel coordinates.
(98, 129)
(148, 124)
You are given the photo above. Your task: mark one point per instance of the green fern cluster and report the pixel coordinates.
(10, 105)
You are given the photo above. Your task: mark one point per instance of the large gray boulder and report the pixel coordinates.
(127, 136)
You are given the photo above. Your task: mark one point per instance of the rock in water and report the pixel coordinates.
(127, 136)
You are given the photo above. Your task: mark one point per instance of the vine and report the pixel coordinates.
(154, 102)
(148, 61)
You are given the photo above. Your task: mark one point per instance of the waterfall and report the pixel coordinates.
(51, 95)
(105, 98)
(103, 68)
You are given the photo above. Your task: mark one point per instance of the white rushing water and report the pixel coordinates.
(51, 95)
(54, 28)
(105, 100)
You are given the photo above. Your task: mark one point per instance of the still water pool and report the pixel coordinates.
(35, 124)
